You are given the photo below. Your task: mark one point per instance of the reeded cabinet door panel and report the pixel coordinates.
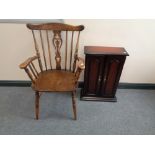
(112, 72)
(92, 72)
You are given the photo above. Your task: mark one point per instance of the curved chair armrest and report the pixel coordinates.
(81, 63)
(27, 62)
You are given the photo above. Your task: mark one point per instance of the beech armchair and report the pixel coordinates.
(56, 66)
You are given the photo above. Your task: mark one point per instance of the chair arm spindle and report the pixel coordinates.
(80, 67)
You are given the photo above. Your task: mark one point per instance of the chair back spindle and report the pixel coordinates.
(43, 49)
(71, 52)
(76, 52)
(49, 48)
(66, 49)
(37, 51)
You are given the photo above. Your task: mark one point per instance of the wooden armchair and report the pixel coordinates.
(50, 70)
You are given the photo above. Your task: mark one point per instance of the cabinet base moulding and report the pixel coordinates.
(95, 98)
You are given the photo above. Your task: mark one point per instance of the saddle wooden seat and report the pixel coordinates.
(55, 81)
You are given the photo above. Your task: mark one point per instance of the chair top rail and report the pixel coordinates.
(55, 26)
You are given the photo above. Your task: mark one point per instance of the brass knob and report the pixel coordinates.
(105, 78)
(99, 78)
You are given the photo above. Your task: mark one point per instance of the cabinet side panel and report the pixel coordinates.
(121, 65)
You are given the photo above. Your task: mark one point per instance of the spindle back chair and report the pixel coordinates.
(57, 67)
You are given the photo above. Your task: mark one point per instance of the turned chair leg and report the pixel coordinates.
(37, 95)
(74, 104)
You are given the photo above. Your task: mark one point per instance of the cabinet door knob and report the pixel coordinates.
(99, 78)
(105, 78)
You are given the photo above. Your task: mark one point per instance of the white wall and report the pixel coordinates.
(137, 36)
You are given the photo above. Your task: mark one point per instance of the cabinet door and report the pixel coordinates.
(92, 75)
(111, 75)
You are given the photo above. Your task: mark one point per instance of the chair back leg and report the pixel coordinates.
(37, 104)
(74, 104)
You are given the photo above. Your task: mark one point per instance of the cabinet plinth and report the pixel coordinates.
(102, 72)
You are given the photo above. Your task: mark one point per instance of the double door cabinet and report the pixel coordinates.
(102, 73)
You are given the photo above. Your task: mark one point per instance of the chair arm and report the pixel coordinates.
(80, 63)
(27, 62)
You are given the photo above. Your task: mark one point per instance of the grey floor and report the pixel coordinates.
(134, 113)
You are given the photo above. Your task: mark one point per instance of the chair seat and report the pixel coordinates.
(55, 80)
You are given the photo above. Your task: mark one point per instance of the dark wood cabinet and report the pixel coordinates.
(102, 72)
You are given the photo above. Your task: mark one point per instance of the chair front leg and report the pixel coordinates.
(37, 96)
(74, 104)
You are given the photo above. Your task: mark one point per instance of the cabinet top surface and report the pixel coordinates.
(102, 50)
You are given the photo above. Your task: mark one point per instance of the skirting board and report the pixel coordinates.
(10, 83)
